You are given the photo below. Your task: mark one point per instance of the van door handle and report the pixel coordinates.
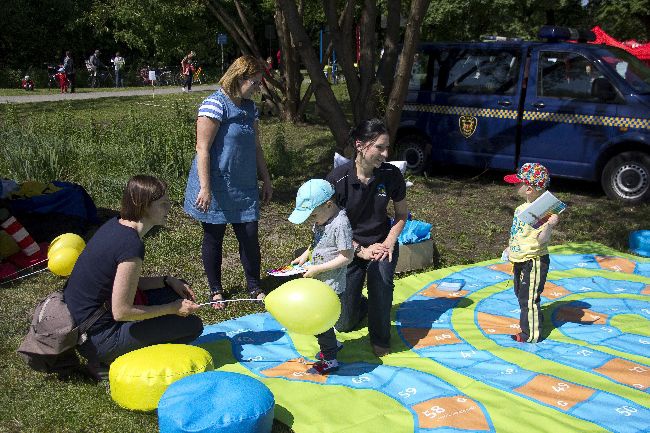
(504, 103)
(539, 105)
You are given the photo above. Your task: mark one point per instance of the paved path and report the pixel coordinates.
(98, 94)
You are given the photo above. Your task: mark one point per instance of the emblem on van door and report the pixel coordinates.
(467, 125)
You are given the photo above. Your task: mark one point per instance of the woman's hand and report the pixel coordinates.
(183, 289)
(377, 252)
(267, 191)
(389, 247)
(185, 307)
(203, 199)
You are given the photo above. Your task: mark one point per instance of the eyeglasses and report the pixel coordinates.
(255, 82)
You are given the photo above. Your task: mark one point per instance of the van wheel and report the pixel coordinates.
(626, 177)
(413, 150)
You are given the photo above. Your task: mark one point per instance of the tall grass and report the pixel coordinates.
(100, 144)
(97, 152)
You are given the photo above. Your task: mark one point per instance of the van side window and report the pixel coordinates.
(570, 76)
(481, 72)
(419, 72)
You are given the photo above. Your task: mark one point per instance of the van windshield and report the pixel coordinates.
(631, 69)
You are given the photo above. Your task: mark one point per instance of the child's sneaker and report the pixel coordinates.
(519, 338)
(324, 366)
(320, 356)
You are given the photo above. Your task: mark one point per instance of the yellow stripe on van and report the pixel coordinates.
(585, 119)
(454, 109)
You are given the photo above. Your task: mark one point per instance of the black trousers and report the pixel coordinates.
(529, 279)
(249, 252)
(327, 344)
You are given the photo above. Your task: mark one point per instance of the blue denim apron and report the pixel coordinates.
(233, 168)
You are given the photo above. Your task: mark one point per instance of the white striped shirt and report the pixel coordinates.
(212, 107)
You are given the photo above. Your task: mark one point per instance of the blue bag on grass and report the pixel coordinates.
(415, 231)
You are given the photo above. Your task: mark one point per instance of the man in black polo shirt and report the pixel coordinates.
(364, 188)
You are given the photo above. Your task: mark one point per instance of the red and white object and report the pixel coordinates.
(18, 233)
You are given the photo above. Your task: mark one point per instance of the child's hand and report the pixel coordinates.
(312, 271)
(553, 220)
(301, 259)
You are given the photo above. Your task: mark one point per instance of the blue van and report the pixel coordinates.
(580, 109)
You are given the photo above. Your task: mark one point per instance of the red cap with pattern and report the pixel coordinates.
(532, 174)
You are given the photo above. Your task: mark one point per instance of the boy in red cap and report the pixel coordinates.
(528, 251)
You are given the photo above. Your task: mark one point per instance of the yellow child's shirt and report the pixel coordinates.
(524, 244)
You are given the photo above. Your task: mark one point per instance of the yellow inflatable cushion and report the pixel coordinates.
(138, 379)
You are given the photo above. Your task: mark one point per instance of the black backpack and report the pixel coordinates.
(50, 343)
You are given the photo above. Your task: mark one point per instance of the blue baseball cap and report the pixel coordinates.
(311, 194)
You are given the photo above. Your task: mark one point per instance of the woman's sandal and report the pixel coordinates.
(218, 295)
(256, 293)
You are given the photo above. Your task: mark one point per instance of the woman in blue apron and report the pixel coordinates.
(222, 184)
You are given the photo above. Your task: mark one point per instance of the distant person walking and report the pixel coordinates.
(187, 69)
(95, 63)
(118, 63)
(70, 71)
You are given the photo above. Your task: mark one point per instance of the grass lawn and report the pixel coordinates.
(100, 143)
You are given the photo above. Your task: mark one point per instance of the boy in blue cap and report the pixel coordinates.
(528, 251)
(331, 251)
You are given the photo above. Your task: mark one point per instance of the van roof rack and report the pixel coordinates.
(558, 33)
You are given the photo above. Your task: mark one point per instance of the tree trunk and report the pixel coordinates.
(325, 100)
(291, 80)
(400, 86)
(388, 61)
(365, 107)
(289, 84)
(343, 39)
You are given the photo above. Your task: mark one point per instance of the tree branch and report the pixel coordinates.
(325, 100)
(232, 28)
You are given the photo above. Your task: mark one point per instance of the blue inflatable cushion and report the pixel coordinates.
(216, 402)
(640, 243)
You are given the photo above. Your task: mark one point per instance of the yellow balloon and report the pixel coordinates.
(66, 240)
(304, 306)
(62, 261)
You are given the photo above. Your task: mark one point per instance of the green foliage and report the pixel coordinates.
(37, 31)
(469, 19)
(164, 30)
(623, 19)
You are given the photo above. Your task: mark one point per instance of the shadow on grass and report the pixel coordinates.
(418, 316)
(279, 426)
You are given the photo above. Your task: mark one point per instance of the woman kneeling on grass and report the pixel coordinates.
(142, 311)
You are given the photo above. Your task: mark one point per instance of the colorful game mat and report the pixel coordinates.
(454, 367)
